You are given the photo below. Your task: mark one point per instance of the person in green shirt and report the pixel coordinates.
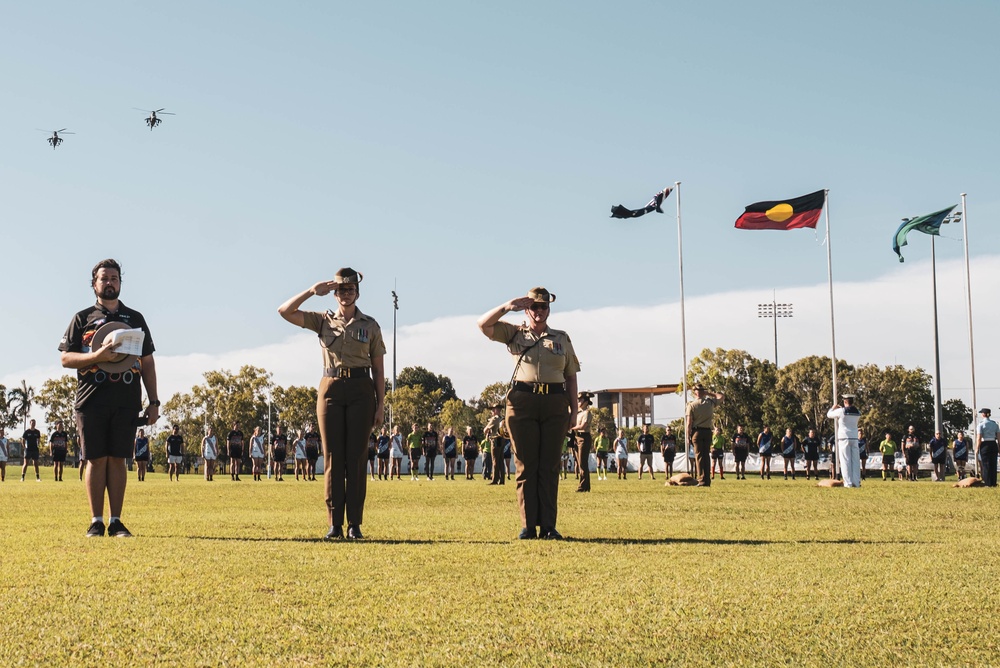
(415, 446)
(888, 450)
(718, 451)
(601, 445)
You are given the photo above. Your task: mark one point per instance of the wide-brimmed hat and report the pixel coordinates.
(541, 295)
(701, 387)
(585, 396)
(121, 362)
(347, 275)
(498, 407)
(984, 411)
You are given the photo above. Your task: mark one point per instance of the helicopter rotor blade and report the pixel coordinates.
(166, 113)
(148, 111)
(63, 130)
(68, 133)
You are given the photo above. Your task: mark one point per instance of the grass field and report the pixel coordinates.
(742, 573)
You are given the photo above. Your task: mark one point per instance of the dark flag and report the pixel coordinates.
(654, 205)
(783, 214)
(929, 224)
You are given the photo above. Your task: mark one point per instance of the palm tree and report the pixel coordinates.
(20, 400)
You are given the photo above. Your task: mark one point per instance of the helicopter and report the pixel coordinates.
(153, 120)
(55, 139)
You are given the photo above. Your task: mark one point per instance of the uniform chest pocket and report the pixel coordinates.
(360, 335)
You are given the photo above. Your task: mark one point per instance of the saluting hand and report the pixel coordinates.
(520, 303)
(323, 288)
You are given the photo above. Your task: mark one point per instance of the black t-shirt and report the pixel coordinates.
(175, 445)
(668, 441)
(59, 440)
(312, 440)
(430, 440)
(93, 383)
(31, 438)
(280, 441)
(741, 441)
(235, 438)
(645, 444)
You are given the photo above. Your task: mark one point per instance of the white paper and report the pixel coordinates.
(130, 339)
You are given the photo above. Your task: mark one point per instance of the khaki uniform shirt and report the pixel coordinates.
(550, 361)
(700, 411)
(588, 418)
(346, 344)
(493, 426)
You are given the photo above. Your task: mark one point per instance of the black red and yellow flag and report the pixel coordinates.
(783, 214)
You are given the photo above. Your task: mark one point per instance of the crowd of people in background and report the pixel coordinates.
(269, 456)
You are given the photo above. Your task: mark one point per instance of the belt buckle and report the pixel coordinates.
(541, 388)
(343, 373)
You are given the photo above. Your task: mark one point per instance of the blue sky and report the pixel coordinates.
(468, 152)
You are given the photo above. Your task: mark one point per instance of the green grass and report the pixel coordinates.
(742, 573)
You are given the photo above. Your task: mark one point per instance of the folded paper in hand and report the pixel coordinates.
(130, 341)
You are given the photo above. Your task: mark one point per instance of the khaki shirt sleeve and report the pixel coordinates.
(313, 320)
(376, 346)
(572, 362)
(503, 332)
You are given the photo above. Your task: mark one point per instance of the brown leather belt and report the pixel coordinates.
(356, 372)
(540, 388)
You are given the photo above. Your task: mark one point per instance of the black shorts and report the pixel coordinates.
(236, 452)
(106, 431)
(383, 455)
(741, 454)
(414, 457)
(888, 460)
(913, 456)
(670, 454)
(812, 456)
(279, 456)
(143, 458)
(602, 457)
(471, 454)
(934, 460)
(371, 455)
(717, 454)
(58, 455)
(31, 453)
(312, 454)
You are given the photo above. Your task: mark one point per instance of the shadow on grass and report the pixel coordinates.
(733, 541)
(374, 541)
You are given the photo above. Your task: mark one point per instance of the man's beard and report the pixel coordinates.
(109, 293)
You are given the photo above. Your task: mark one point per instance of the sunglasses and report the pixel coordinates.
(540, 307)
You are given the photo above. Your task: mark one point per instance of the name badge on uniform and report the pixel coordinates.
(361, 335)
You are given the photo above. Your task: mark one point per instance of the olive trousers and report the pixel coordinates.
(537, 424)
(345, 410)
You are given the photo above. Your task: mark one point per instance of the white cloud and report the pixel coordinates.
(886, 321)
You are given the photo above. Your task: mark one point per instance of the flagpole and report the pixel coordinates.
(937, 345)
(833, 331)
(684, 355)
(972, 353)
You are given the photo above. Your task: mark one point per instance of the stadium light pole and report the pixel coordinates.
(395, 307)
(972, 350)
(774, 311)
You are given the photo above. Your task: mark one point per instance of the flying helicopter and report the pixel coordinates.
(55, 139)
(153, 120)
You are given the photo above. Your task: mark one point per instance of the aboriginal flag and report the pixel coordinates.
(783, 214)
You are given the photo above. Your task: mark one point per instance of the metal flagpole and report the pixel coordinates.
(269, 432)
(684, 354)
(833, 331)
(392, 391)
(972, 353)
(937, 346)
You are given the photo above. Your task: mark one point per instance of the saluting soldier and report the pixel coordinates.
(541, 404)
(699, 430)
(351, 397)
(496, 446)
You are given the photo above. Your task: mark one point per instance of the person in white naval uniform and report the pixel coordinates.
(847, 417)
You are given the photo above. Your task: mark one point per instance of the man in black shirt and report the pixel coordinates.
(235, 442)
(108, 395)
(429, 441)
(30, 440)
(312, 451)
(58, 445)
(175, 453)
(645, 447)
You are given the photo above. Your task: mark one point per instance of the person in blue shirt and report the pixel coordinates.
(939, 454)
(960, 453)
(765, 448)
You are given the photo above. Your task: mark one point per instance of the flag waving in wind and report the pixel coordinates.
(654, 205)
(929, 224)
(783, 214)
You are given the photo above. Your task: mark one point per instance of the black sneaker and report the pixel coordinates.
(354, 532)
(551, 534)
(96, 530)
(336, 533)
(527, 533)
(117, 530)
